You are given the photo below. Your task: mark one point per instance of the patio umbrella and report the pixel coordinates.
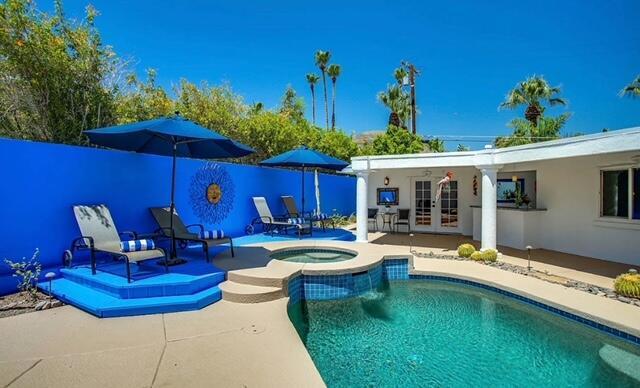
(305, 157)
(170, 136)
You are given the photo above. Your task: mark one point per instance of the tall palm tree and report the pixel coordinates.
(532, 92)
(312, 79)
(400, 74)
(322, 59)
(333, 71)
(398, 103)
(633, 89)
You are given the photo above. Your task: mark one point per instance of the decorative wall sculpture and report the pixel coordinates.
(212, 193)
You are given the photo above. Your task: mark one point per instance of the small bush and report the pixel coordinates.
(28, 272)
(488, 255)
(628, 284)
(466, 250)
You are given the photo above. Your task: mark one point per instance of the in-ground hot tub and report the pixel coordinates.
(313, 255)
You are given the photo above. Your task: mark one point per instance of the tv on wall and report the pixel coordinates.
(388, 196)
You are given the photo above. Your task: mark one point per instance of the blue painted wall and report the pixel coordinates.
(41, 182)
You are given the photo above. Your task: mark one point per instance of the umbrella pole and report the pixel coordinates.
(302, 192)
(172, 207)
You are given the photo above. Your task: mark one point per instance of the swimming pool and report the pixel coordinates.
(436, 333)
(313, 255)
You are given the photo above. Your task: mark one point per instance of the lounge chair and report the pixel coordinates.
(183, 234)
(272, 223)
(403, 220)
(292, 211)
(99, 234)
(372, 216)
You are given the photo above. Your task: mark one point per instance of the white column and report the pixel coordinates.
(489, 206)
(361, 206)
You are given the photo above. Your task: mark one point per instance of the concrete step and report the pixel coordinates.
(265, 277)
(104, 305)
(246, 293)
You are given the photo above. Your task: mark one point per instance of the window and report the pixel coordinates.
(620, 193)
(507, 189)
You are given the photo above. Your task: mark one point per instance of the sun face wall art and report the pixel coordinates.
(212, 193)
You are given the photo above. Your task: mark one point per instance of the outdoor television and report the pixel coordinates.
(388, 196)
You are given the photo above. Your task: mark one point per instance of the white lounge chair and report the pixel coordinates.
(272, 223)
(99, 234)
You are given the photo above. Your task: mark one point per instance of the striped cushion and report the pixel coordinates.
(320, 216)
(212, 234)
(296, 221)
(137, 245)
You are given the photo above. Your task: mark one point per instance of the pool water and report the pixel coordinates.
(313, 255)
(432, 333)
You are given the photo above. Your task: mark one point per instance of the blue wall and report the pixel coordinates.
(41, 182)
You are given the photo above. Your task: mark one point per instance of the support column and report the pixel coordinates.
(361, 206)
(489, 206)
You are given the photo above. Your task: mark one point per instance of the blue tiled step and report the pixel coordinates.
(104, 305)
(163, 284)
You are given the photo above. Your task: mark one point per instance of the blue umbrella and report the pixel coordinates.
(305, 157)
(171, 136)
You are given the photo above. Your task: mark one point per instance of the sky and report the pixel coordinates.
(470, 54)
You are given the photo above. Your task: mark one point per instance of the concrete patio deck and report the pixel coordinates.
(236, 344)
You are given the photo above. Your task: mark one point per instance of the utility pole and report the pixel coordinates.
(413, 72)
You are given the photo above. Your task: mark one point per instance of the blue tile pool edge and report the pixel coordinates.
(398, 269)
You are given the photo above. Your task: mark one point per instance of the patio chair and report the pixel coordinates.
(183, 234)
(292, 211)
(99, 234)
(272, 223)
(372, 216)
(403, 219)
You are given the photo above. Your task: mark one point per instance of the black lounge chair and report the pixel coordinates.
(272, 223)
(182, 232)
(292, 211)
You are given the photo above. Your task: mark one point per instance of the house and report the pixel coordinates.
(583, 194)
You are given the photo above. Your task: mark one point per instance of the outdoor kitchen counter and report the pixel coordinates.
(516, 228)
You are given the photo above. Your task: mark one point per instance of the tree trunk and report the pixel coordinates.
(394, 119)
(326, 102)
(333, 106)
(313, 103)
(532, 114)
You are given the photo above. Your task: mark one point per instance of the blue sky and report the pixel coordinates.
(470, 53)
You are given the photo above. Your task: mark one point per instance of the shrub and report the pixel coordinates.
(628, 284)
(488, 255)
(466, 250)
(27, 271)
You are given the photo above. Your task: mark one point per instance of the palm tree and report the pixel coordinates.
(400, 74)
(312, 79)
(633, 89)
(322, 59)
(333, 71)
(532, 92)
(398, 102)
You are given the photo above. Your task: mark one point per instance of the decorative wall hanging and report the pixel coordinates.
(212, 193)
(475, 185)
(444, 182)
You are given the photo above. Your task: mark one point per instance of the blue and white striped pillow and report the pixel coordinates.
(212, 234)
(137, 245)
(320, 216)
(296, 221)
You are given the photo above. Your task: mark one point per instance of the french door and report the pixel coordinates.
(430, 215)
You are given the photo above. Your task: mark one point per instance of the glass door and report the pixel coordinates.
(448, 205)
(423, 202)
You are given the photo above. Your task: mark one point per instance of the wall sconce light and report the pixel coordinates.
(514, 178)
(386, 181)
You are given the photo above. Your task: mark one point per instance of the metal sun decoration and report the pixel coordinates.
(212, 193)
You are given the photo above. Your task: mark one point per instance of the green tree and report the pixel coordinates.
(400, 74)
(292, 106)
(334, 72)
(312, 79)
(524, 132)
(396, 141)
(398, 103)
(335, 143)
(633, 89)
(462, 148)
(435, 145)
(322, 60)
(143, 100)
(532, 93)
(57, 79)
